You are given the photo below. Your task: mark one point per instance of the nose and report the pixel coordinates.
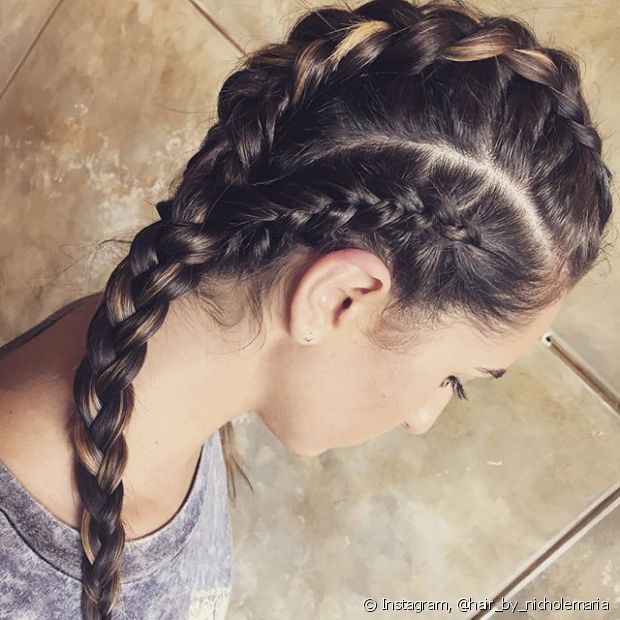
(423, 419)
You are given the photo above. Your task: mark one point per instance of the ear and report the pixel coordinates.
(334, 290)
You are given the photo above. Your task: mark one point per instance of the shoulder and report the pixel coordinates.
(35, 403)
(38, 454)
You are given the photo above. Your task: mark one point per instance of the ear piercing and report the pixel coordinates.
(347, 302)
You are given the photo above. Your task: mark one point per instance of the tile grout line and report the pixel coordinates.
(595, 512)
(562, 542)
(561, 349)
(29, 49)
(216, 25)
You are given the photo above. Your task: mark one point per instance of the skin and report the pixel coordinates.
(338, 390)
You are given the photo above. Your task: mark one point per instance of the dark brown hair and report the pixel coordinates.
(450, 143)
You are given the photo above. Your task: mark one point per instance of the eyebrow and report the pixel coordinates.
(496, 373)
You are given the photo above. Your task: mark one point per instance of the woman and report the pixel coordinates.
(393, 202)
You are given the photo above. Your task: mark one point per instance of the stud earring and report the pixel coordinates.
(309, 338)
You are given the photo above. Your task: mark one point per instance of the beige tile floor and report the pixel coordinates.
(598, 578)
(20, 23)
(104, 110)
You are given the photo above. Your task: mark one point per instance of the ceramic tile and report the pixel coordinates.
(106, 110)
(20, 22)
(453, 513)
(258, 22)
(590, 320)
(587, 576)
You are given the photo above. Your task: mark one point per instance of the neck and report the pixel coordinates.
(188, 387)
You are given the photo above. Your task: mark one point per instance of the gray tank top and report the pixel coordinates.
(180, 571)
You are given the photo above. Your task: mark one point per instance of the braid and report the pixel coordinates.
(407, 40)
(400, 33)
(478, 185)
(399, 37)
(134, 306)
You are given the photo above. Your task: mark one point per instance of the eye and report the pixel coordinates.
(457, 386)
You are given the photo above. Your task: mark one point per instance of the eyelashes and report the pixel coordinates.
(457, 386)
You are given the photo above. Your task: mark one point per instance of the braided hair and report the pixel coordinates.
(448, 142)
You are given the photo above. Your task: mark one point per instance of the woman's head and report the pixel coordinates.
(415, 188)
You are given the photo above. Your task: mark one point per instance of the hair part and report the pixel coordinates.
(448, 142)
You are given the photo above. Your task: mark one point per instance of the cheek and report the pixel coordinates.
(346, 405)
(383, 397)
(402, 398)
(345, 398)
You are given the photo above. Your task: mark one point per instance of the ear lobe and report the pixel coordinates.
(331, 286)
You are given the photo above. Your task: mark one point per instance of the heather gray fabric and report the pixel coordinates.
(181, 571)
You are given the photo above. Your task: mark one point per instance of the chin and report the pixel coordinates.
(306, 451)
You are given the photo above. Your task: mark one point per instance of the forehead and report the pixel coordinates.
(463, 343)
